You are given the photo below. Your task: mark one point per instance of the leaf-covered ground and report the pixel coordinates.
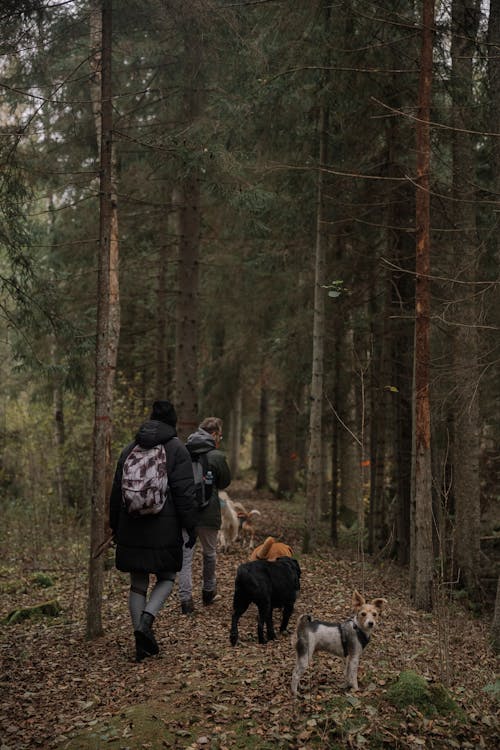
(60, 691)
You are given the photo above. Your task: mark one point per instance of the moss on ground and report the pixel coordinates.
(45, 609)
(156, 727)
(42, 580)
(411, 689)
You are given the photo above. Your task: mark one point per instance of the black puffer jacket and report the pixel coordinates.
(202, 442)
(153, 544)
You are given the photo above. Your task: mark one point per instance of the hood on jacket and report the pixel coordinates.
(154, 432)
(200, 441)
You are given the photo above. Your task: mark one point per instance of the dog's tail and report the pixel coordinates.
(264, 550)
(300, 638)
(243, 512)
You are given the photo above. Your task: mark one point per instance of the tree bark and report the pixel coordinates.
(334, 495)
(314, 462)
(286, 448)
(57, 387)
(235, 434)
(495, 626)
(422, 551)
(107, 337)
(187, 323)
(380, 408)
(162, 329)
(466, 489)
(351, 509)
(494, 86)
(59, 431)
(262, 479)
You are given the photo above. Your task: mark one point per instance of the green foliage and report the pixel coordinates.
(16, 271)
(411, 689)
(45, 609)
(42, 580)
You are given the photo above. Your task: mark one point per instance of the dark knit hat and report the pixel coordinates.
(164, 411)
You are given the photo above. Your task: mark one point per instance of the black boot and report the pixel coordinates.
(209, 596)
(140, 653)
(187, 607)
(145, 641)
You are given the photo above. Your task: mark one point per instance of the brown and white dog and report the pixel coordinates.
(270, 550)
(237, 522)
(347, 639)
(246, 521)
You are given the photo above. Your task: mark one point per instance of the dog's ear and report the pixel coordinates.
(378, 603)
(357, 600)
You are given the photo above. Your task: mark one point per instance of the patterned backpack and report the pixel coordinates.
(145, 481)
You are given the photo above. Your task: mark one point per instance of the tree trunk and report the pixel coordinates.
(286, 448)
(162, 338)
(186, 359)
(422, 551)
(59, 432)
(402, 471)
(325, 498)
(186, 354)
(380, 408)
(235, 434)
(334, 502)
(314, 463)
(336, 427)
(107, 337)
(466, 489)
(57, 387)
(262, 480)
(495, 626)
(112, 271)
(351, 508)
(494, 86)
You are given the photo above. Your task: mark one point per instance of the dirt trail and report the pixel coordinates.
(60, 691)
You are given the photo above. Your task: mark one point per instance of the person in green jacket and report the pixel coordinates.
(205, 440)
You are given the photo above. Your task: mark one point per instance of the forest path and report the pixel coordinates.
(60, 691)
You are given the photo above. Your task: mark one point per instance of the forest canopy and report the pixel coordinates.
(260, 214)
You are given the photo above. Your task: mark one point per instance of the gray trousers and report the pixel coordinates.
(208, 540)
(138, 601)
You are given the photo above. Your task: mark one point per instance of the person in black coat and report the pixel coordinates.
(152, 544)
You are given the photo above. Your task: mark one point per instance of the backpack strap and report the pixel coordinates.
(203, 459)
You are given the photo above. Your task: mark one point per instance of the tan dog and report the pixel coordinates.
(246, 519)
(346, 639)
(237, 522)
(270, 550)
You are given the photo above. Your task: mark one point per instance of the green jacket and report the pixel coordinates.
(200, 442)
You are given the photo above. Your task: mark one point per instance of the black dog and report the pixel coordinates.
(269, 585)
